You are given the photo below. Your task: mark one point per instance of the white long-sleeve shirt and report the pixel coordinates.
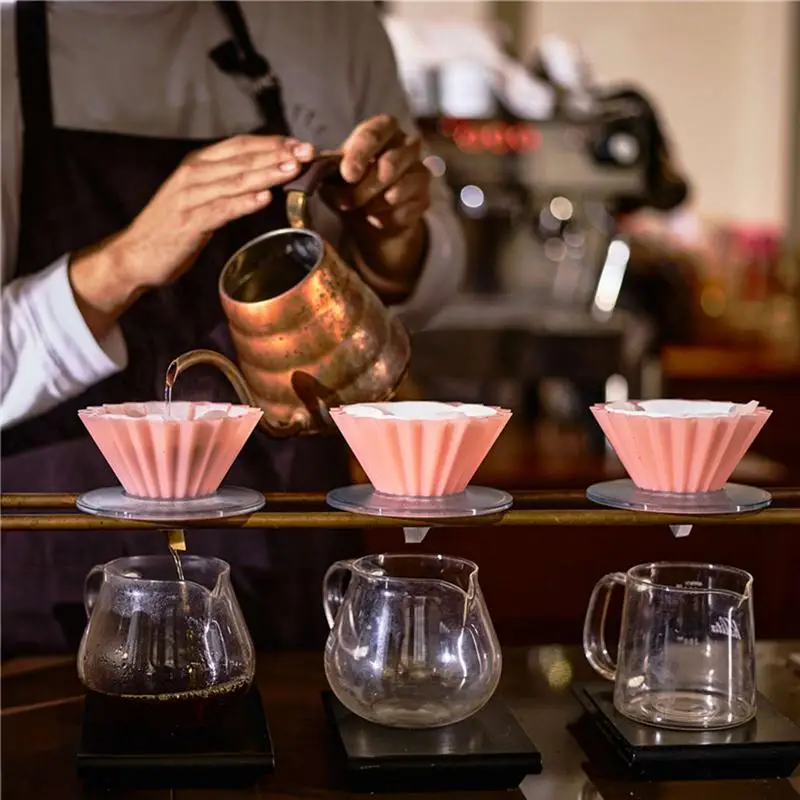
(142, 68)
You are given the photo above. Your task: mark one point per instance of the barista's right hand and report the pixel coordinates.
(209, 189)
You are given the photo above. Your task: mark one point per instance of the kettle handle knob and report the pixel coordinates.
(316, 172)
(322, 168)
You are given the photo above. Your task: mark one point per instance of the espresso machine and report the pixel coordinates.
(542, 164)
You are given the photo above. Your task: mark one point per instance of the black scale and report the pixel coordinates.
(766, 747)
(237, 754)
(488, 751)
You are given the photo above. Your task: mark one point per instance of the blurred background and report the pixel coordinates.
(628, 175)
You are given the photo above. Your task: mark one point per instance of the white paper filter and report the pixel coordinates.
(683, 408)
(418, 410)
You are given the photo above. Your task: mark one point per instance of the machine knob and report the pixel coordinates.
(624, 148)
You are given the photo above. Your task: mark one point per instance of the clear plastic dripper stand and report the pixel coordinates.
(474, 501)
(176, 539)
(733, 498)
(415, 535)
(228, 501)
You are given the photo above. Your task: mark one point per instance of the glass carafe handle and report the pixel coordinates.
(594, 636)
(91, 588)
(334, 585)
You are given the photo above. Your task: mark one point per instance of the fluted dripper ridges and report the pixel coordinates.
(420, 457)
(179, 455)
(680, 454)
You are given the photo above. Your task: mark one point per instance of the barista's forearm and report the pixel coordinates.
(102, 292)
(49, 354)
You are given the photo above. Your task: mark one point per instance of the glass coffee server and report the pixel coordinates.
(412, 661)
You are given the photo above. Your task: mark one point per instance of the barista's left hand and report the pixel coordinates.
(383, 203)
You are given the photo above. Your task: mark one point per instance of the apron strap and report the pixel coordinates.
(33, 61)
(239, 58)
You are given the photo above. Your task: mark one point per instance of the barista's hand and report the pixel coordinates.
(209, 189)
(384, 203)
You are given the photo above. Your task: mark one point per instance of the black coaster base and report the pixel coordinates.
(488, 751)
(235, 755)
(766, 747)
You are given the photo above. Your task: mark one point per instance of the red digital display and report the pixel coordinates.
(498, 138)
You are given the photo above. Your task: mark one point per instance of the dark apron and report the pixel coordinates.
(79, 187)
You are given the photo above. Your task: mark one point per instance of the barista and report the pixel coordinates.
(134, 165)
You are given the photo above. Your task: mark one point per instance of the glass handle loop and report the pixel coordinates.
(594, 635)
(334, 586)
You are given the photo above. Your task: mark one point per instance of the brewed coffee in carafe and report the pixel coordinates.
(163, 657)
(147, 713)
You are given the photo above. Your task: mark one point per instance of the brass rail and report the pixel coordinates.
(287, 510)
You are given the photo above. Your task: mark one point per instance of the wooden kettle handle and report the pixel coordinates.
(316, 172)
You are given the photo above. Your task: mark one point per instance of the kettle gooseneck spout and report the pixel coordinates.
(237, 381)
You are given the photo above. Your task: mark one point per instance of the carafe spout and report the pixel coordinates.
(465, 586)
(747, 594)
(469, 595)
(237, 381)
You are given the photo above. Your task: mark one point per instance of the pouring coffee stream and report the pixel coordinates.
(176, 541)
(309, 333)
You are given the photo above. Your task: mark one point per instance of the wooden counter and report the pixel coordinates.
(42, 708)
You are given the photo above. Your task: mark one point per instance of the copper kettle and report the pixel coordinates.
(309, 333)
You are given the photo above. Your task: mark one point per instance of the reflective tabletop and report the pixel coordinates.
(42, 704)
